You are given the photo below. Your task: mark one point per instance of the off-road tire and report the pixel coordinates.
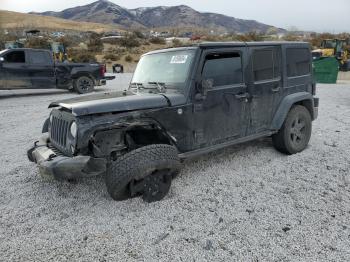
(137, 165)
(286, 140)
(83, 85)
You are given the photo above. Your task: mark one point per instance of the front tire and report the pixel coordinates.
(295, 133)
(145, 171)
(83, 85)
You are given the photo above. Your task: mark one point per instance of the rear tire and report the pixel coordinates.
(145, 171)
(83, 85)
(295, 133)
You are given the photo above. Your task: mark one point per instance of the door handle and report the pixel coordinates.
(275, 89)
(243, 97)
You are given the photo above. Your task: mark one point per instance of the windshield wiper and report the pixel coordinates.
(160, 86)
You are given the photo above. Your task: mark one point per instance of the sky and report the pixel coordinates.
(308, 15)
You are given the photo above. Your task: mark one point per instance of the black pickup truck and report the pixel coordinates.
(25, 68)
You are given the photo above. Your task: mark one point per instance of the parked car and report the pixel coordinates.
(181, 103)
(24, 68)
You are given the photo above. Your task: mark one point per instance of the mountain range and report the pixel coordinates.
(106, 12)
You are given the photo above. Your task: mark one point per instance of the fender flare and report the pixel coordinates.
(76, 74)
(286, 104)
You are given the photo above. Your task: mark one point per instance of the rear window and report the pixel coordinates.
(266, 64)
(15, 57)
(298, 62)
(38, 57)
(224, 69)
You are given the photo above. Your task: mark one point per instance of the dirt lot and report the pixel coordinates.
(245, 203)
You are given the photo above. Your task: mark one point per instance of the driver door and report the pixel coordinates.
(220, 116)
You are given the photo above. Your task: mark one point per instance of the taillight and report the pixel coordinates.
(102, 70)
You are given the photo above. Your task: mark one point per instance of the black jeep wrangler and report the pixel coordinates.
(181, 103)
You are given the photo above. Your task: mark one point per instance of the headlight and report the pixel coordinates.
(73, 129)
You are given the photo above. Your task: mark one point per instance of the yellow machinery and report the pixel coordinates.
(58, 51)
(338, 48)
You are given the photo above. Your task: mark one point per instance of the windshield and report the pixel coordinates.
(329, 44)
(168, 69)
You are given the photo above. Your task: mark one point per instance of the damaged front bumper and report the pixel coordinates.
(62, 167)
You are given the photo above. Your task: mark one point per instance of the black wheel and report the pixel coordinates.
(146, 171)
(295, 133)
(83, 85)
(45, 128)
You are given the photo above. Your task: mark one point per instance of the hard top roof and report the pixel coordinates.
(231, 44)
(262, 43)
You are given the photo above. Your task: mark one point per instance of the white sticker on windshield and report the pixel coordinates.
(179, 59)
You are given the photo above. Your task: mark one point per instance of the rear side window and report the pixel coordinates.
(15, 57)
(224, 69)
(38, 57)
(266, 64)
(298, 62)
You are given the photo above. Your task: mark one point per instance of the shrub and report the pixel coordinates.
(157, 40)
(129, 42)
(128, 58)
(138, 34)
(81, 56)
(95, 43)
(291, 37)
(111, 56)
(251, 36)
(68, 41)
(37, 42)
(176, 42)
(212, 38)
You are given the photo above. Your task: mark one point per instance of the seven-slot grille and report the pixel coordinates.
(58, 132)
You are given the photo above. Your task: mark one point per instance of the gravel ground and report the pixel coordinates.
(245, 203)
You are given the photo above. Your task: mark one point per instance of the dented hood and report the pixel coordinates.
(118, 102)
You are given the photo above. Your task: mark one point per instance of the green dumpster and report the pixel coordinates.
(326, 70)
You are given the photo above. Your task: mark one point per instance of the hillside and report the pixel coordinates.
(11, 20)
(104, 11)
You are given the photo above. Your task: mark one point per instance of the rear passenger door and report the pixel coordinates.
(42, 69)
(266, 86)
